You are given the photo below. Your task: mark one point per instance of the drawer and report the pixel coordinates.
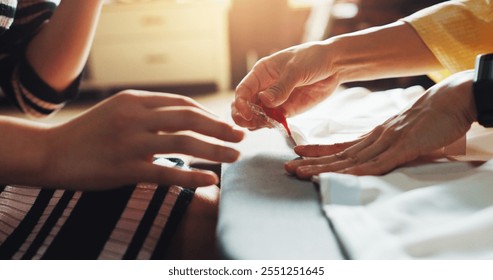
(164, 19)
(164, 62)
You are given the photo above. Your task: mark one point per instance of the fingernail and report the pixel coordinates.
(238, 133)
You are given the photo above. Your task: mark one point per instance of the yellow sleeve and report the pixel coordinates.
(456, 32)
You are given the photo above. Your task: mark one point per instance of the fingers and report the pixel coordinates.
(191, 178)
(174, 119)
(259, 78)
(278, 93)
(376, 153)
(322, 150)
(188, 145)
(159, 99)
(265, 84)
(381, 164)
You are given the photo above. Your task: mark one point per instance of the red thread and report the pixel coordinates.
(277, 115)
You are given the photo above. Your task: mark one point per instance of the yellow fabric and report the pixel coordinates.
(456, 32)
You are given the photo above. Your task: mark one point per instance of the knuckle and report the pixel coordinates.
(341, 155)
(190, 118)
(353, 159)
(128, 95)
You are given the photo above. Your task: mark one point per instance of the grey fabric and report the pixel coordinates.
(266, 214)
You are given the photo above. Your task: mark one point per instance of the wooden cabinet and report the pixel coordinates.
(160, 43)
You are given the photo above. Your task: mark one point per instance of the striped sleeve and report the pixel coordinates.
(36, 98)
(19, 81)
(7, 13)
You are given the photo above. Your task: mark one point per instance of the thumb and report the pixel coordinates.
(279, 93)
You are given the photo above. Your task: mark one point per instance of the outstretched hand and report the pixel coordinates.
(113, 143)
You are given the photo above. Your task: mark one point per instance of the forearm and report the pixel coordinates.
(393, 50)
(59, 51)
(22, 151)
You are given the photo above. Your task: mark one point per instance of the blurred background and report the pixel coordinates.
(207, 46)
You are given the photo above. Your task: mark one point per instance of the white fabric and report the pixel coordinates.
(350, 113)
(435, 211)
(441, 210)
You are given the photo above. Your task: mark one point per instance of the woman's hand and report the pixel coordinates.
(293, 80)
(113, 143)
(440, 117)
(296, 79)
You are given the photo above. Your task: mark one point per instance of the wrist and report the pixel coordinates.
(465, 86)
(340, 60)
(24, 152)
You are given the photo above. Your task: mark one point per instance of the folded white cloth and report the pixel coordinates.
(433, 211)
(350, 113)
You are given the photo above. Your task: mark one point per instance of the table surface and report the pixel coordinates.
(267, 214)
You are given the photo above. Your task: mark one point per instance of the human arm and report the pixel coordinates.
(59, 51)
(43, 53)
(299, 77)
(440, 117)
(113, 143)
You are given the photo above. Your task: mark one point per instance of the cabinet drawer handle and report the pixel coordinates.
(150, 21)
(155, 59)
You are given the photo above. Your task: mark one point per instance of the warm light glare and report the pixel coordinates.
(304, 3)
(345, 10)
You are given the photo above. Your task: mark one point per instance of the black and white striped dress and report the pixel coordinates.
(133, 222)
(126, 223)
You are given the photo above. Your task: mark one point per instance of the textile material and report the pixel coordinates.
(265, 214)
(354, 112)
(456, 32)
(7, 13)
(433, 211)
(349, 113)
(133, 222)
(127, 223)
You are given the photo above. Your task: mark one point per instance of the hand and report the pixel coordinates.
(296, 79)
(113, 143)
(440, 117)
(293, 80)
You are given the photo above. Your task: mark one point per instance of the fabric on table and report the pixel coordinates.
(432, 211)
(265, 214)
(350, 113)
